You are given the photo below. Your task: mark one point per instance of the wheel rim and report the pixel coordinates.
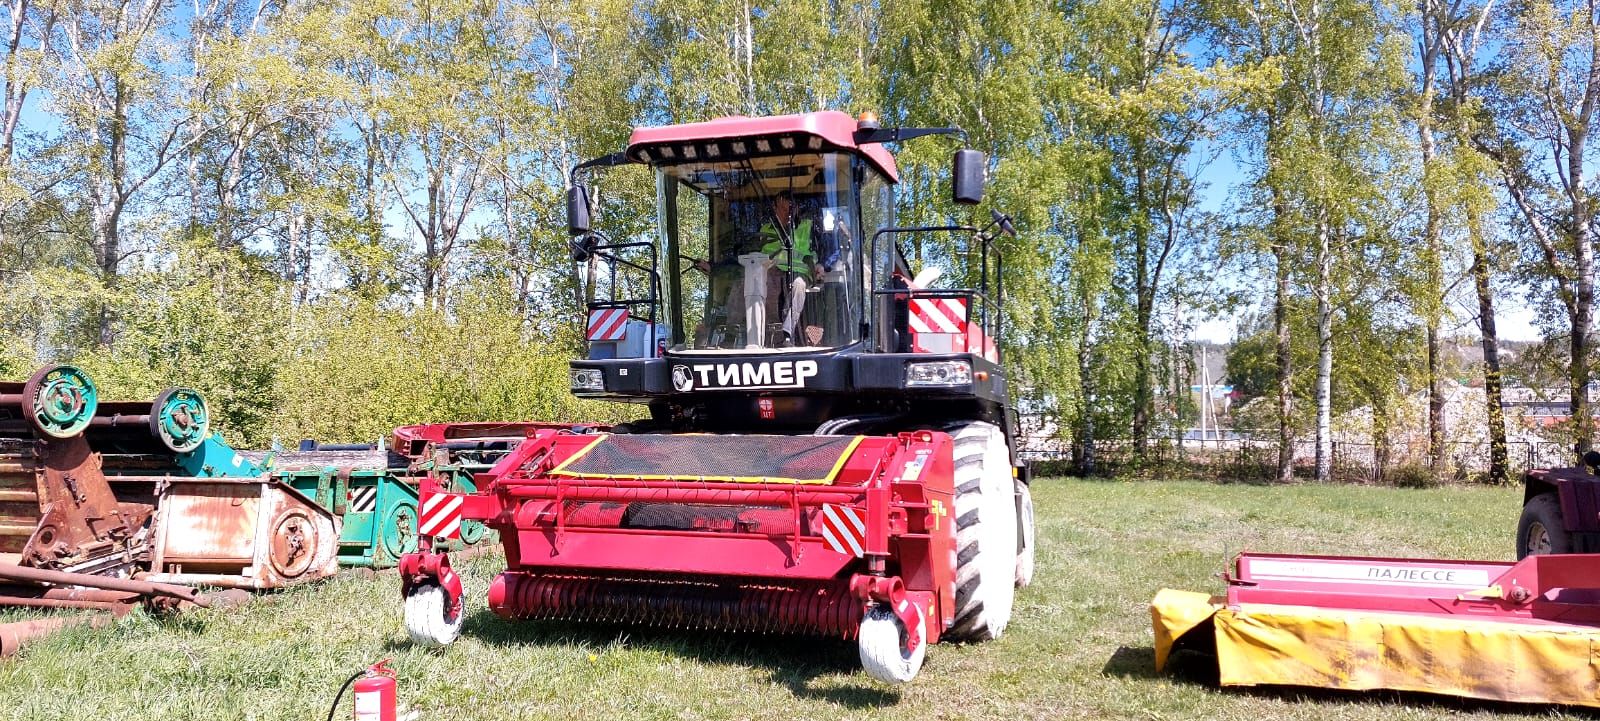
(472, 532)
(293, 543)
(61, 400)
(180, 419)
(400, 535)
(1538, 541)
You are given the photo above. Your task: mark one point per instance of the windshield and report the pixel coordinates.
(762, 252)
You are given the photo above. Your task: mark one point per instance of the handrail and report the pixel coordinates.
(653, 272)
(987, 248)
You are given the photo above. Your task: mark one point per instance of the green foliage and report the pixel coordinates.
(210, 320)
(1411, 475)
(337, 217)
(353, 370)
(1252, 366)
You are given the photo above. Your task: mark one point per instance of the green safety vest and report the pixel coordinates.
(802, 246)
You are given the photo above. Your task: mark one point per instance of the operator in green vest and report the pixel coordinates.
(798, 261)
(779, 224)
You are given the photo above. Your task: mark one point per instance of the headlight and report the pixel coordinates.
(939, 373)
(588, 379)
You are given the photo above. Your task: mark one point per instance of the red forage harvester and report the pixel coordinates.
(831, 443)
(842, 536)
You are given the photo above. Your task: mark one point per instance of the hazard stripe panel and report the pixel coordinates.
(844, 529)
(440, 516)
(363, 500)
(940, 325)
(938, 315)
(608, 323)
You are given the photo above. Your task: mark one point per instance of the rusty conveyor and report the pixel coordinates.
(165, 520)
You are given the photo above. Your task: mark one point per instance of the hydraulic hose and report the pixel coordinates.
(340, 696)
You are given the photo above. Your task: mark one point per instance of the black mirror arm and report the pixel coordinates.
(604, 161)
(897, 135)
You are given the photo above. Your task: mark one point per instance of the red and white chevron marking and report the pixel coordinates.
(608, 323)
(440, 516)
(938, 315)
(844, 529)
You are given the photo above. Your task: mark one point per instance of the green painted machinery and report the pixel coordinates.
(379, 511)
(379, 507)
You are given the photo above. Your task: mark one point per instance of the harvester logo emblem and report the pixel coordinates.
(764, 374)
(936, 509)
(681, 379)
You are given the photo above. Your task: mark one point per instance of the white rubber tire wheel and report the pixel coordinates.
(1024, 535)
(986, 533)
(882, 645)
(427, 619)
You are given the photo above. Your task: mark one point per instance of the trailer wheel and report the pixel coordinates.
(1024, 535)
(882, 645)
(428, 616)
(986, 533)
(1541, 530)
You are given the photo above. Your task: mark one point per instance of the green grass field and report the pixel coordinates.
(1079, 645)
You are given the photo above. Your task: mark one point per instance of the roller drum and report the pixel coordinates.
(810, 609)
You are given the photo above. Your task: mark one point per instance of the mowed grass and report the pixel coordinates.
(1078, 647)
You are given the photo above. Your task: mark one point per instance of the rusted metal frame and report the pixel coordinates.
(118, 608)
(80, 518)
(26, 574)
(68, 594)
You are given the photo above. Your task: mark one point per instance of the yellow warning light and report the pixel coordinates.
(868, 117)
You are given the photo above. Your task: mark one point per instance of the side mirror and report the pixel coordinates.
(577, 210)
(968, 172)
(1004, 221)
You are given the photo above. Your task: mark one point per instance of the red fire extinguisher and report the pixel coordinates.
(374, 692)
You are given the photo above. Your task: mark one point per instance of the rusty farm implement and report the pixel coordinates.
(104, 505)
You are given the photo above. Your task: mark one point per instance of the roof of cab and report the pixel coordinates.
(835, 128)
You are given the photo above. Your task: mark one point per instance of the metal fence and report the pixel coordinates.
(1255, 459)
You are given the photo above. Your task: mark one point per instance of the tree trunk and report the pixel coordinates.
(1280, 306)
(1380, 437)
(1324, 393)
(1491, 350)
(1429, 49)
(1318, 109)
(1285, 354)
(1084, 448)
(1583, 256)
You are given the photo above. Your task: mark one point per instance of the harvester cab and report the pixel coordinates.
(781, 295)
(829, 449)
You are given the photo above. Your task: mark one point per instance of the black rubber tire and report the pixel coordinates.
(1025, 535)
(1542, 513)
(986, 533)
